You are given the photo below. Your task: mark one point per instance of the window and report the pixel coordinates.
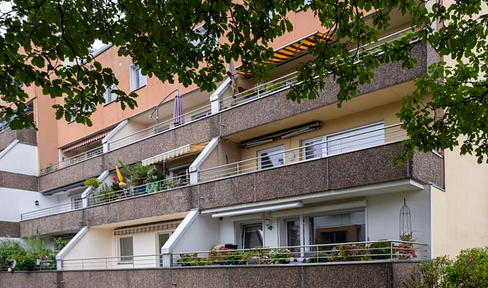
(314, 148)
(272, 157)
(327, 228)
(358, 138)
(252, 235)
(109, 96)
(162, 239)
(137, 80)
(363, 137)
(126, 249)
(201, 115)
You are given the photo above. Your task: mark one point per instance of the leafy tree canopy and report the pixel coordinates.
(47, 43)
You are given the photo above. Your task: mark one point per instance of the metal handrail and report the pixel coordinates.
(73, 160)
(389, 250)
(154, 130)
(392, 133)
(57, 209)
(130, 192)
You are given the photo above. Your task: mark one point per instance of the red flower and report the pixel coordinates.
(114, 178)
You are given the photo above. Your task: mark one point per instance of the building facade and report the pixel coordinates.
(240, 170)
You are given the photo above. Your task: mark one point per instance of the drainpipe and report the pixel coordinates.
(112, 133)
(89, 190)
(215, 97)
(195, 166)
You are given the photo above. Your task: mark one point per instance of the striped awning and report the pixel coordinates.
(295, 49)
(86, 142)
(161, 226)
(175, 153)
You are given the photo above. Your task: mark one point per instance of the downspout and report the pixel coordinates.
(195, 166)
(89, 190)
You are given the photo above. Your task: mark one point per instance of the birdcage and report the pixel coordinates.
(405, 221)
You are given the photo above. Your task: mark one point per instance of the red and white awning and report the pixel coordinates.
(86, 142)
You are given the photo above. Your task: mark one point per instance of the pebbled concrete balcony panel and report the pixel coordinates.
(366, 275)
(28, 136)
(65, 222)
(276, 107)
(18, 181)
(9, 229)
(89, 168)
(150, 205)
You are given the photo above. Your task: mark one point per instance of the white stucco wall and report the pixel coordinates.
(383, 215)
(21, 158)
(382, 219)
(15, 202)
(97, 242)
(202, 235)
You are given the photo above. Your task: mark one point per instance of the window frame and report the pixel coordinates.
(135, 72)
(113, 97)
(121, 258)
(326, 140)
(250, 224)
(275, 148)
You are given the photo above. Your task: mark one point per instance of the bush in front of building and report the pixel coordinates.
(468, 269)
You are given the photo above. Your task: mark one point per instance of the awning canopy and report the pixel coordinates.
(175, 153)
(295, 49)
(86, 142)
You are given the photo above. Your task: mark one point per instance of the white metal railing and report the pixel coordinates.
(260, 90)
(73, 160)
(159, 128)
(392, 250)
(383, 250)
(319, 149)
(66, 207)
(101, 197)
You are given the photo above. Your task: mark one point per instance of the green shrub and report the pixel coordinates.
(92, 182)
(469, 269)
(11, 250)
(26, 263)
(381, 250)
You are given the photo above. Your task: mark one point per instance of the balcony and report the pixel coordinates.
(356, 252)
(7, 136)
(245, 182)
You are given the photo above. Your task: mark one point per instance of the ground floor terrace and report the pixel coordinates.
(383, 222)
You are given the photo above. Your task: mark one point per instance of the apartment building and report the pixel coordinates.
(240, 169)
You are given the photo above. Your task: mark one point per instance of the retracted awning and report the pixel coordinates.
(86, 142)
(175, 153)
(295, 49)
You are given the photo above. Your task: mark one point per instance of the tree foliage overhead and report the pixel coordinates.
(46, 43)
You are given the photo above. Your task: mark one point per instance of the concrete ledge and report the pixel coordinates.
(9, 229)
(365, 275)
(18, 181)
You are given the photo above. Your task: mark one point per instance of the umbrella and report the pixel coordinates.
(178, 117)
(232, 73)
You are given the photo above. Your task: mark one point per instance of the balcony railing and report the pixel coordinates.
(159, 128)
(101, 197)
(260, 90)
(307, 152)
(62, 208)
(384, 250)
(73, 160)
